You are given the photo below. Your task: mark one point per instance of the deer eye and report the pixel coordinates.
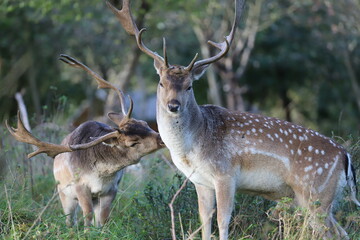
(161, 85)
(189, 88)
(134, 144)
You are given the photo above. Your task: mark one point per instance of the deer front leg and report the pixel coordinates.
(225, 192)
(85, 201)
(102, 209)
(206, 202)
(69, 205)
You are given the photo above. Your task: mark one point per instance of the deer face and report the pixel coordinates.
(136, 138)
(174, 89)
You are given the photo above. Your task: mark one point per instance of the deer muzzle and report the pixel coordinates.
(160, 141)
(174, 106)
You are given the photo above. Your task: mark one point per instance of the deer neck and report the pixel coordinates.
(180, 131)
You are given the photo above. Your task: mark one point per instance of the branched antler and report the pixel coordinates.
(101, 82)
(127, 21)
(22, 135)
(222, 46)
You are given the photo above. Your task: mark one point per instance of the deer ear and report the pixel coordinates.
(197, 72)
(116, 117)
(157, 65)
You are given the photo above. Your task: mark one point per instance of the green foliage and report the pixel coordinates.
(297, 65)
(299, 61)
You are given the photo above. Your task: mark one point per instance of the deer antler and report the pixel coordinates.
(23, 135)
(222, 46)
(127, 21)
(101, 82)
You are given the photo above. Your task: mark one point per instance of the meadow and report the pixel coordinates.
(30, 207)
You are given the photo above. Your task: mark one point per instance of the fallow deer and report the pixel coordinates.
(222, 151)
(89, 164)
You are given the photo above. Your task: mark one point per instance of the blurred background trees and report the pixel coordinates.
(296, 60)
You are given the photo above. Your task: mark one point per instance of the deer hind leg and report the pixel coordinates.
(334, 225)
(321, 218)
(331, 196)
(69, 205)
(325, 226)
(206, 202)
(225, 193)
(103, 208)
(85, 201)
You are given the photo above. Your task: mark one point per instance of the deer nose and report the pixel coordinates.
(174, 106)
(160, 141)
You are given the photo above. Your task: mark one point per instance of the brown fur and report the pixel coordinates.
(90, 177)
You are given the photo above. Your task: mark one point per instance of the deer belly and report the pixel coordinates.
(264, 183)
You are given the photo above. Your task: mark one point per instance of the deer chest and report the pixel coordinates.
(195, 169)
(99, 185)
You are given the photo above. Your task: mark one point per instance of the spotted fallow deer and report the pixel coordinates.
(89, 164)
(222, 151)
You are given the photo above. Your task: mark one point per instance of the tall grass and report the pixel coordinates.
(29, 208)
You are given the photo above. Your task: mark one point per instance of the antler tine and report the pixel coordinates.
(23, 135)
(127, 21)
(166, 64)
(225, 45)
(191, 65)
(128, 115)
(101, 82)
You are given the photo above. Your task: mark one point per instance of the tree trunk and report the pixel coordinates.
(215, 91)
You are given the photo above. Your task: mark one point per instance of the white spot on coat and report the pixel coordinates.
(299, 152)
(308, 168)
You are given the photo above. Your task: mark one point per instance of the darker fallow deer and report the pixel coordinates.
(89, 163)
(224, 151)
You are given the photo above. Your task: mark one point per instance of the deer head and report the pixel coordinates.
(175, 85)
(132, 133)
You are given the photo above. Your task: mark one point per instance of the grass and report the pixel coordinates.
(29, 206)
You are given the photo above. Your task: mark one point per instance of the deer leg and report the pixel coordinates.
(96, 206)
(85, 202)
(103, 208)
(332, 224)
(225, 192)
(69, 205)
(206, 202)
